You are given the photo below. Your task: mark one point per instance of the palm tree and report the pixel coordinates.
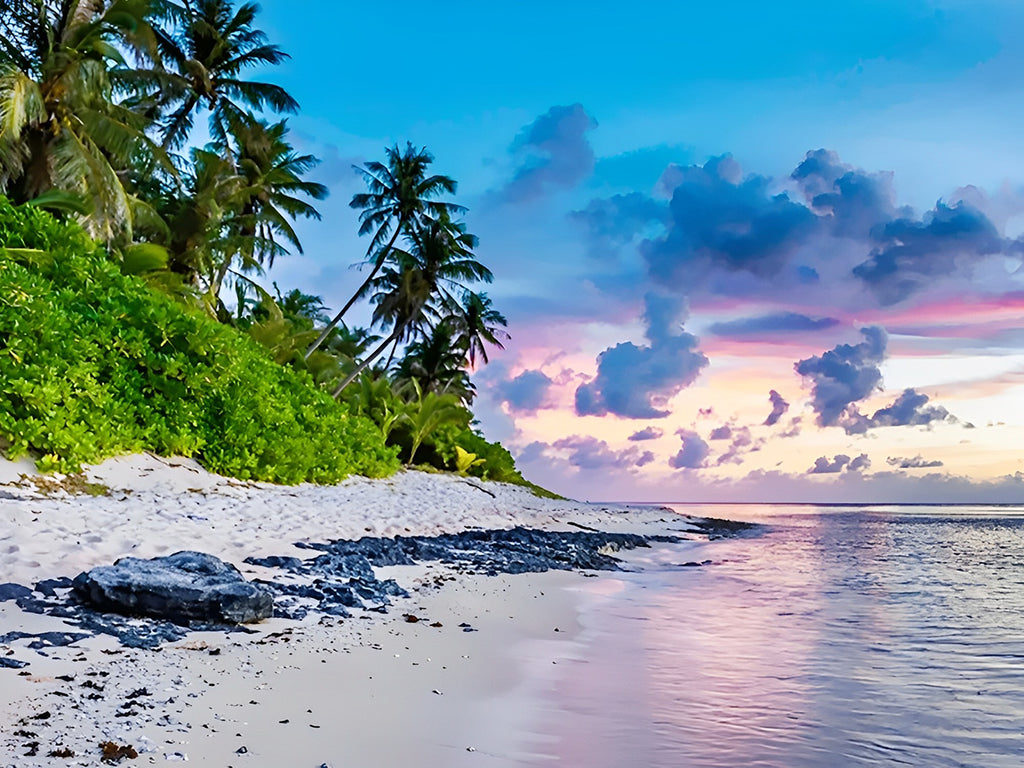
(477, 321)
(437, 364)
(205, 51)
(61, 128)
(441, 250)
(271, 173)
(235, 209)
(403, 306)
(400, 196)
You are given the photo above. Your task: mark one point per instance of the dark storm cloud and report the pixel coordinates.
(723, 432)
(647, 433)
(526, 392)
(772, 325)
(693, 452)
(844, 375)
(720, 220)
(916, 462)
(588, 452)
(912, 254)
(631, 379)
(553, 152)
(779, 407)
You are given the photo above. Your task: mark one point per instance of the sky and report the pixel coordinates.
(747, 251)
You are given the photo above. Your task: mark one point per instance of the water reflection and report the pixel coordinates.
(848, 638)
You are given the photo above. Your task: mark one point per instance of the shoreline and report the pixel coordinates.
(470, 696)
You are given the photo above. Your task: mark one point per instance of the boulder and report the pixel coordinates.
(183, 587)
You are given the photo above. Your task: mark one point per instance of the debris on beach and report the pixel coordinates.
(115, 753)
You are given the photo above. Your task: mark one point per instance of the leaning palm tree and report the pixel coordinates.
(400, 197)
(206, 47)
(403, 305)
(62, 130)
(476, 321)
(441, 250)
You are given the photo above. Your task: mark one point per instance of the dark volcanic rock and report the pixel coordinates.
(13, 592)
(185, 586)
(516, 550)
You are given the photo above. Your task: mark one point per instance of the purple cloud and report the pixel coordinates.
(772, 325)
(526, 392)
(693, 452)
(588, 452)
(910, 409)
(631, 379)
(914, 253)
(553, 153)
(844, 375)
(647, 433)
(723, 432)
(779, 407)
(916, 462)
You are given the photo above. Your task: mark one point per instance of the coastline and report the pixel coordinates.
(346, 688)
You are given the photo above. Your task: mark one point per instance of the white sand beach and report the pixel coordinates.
(371, 690)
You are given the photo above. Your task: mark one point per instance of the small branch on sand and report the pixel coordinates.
(474, 485)
(580, 525)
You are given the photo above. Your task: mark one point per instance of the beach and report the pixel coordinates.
(457, 673)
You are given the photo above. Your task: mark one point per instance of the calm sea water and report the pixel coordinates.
(854, 636)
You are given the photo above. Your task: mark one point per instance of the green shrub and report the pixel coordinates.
(94, 363)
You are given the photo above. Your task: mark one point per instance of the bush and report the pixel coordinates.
(94, 363)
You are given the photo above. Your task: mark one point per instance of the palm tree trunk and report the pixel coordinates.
(391, 356)
(366, 362)
(337, 318)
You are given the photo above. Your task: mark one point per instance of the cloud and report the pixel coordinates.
(853, 201)
(526, 392)
(633, 380)
(838, 463)
(531, 452)
(742, 443)
(588, 452)
(772, 325)
(859, 463)
(647, 433)
(844, 375)
(614, 222)
(910, 409)
(692, 453)
(723, 432)
(917, 462)
(779, 407)
(721, 220)
(552, 152)
(914, 253)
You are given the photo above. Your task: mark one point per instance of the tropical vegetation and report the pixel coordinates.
(134, 307)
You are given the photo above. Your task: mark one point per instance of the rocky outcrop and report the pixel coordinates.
(183, 587)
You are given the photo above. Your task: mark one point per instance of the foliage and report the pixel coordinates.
(98, 101)
(465, 461)
(93, 363)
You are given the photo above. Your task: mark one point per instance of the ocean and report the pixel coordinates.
(830, 636)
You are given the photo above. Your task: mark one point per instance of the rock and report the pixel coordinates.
(10, 591)
(183, 587)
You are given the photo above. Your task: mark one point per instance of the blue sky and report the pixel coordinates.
(584, 138)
